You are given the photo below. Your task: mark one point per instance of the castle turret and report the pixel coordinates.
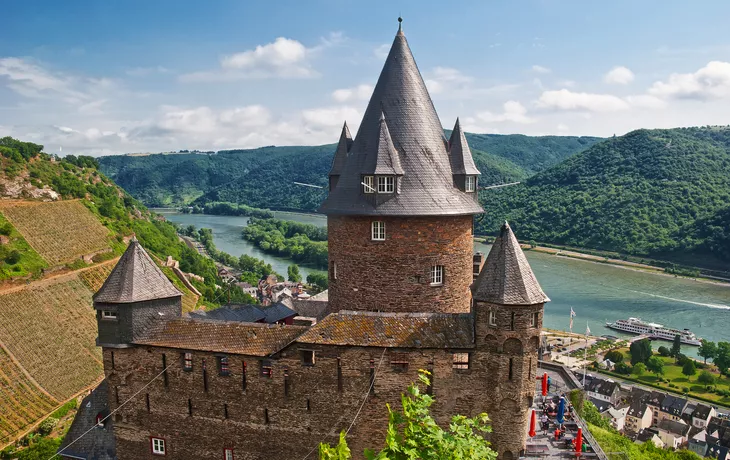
(135, 293)
(464, 171)
(508, 306)
(338, 162)
(399, 226)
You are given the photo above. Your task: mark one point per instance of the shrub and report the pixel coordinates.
(663, 351)
(615, 356)
(706, 378)
(47, 425)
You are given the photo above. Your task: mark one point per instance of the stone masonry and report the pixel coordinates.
(393, 275)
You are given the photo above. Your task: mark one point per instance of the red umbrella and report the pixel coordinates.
(579, 441)
(533, 421)
(544, 384)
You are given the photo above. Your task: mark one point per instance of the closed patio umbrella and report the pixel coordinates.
(561, 411)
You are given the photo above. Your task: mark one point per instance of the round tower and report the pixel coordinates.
(508, 308)
(401, 203)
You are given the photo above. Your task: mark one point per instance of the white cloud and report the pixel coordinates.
(326, 117)
(381, 52)
(568, 100)
(710, 82)
(33, 81)
(646, 101)
(513, 112)
(540, 69)
(446, 80)
(282, 58)
(358, 93)
(563, 128)
(145, 71)
(619, 76)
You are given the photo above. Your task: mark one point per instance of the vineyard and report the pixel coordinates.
(60, 232)
(94, 277)
(50, 327)
(22, 403)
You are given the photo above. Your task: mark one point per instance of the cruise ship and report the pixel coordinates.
(653, 330)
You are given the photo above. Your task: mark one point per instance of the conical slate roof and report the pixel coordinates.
(135, 278)
(507, 278)
(386, 160)
(427, 186)
(343, 147)
(460, 154)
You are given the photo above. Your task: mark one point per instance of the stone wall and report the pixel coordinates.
(394, 275)
(509, 352)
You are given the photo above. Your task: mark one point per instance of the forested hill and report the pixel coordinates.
(661, 193)
(265, 177)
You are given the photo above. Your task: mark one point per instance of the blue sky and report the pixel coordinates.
(107, 77)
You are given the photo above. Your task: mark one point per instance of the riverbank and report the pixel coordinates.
(574, 253)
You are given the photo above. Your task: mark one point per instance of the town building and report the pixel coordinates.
(605, 391)
(671, 408)
(673, 433)
(402, 297)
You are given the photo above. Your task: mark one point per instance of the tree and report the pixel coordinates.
(676, 346)
(414, 434)
(318, 278)
(706, 378)
(689, 368)
(622, 368)
(615, 356)
(707, 350)
(655, 365)
(640, 351)
(639, 369)
(293, 273)
(722, 357)
(664, 351)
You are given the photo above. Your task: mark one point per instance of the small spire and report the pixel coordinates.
(382, 116)
(400, 25)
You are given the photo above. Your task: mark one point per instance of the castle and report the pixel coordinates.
(402, 297)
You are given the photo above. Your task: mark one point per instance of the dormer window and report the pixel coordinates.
(386, 184)
(471, 184)
(368, 184)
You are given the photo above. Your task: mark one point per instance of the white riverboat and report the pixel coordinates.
(653, 330)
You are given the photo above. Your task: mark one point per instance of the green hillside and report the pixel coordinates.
(659, 193)
(77, 181)
(265, 177)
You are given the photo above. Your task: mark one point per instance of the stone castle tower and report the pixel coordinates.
(401, 203)
(135, 293)
(508, 309)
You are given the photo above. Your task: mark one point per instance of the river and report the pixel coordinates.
(596, 292)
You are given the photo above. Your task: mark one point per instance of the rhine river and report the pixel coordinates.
(597, 292)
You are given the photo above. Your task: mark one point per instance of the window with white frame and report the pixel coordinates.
(108, 314)
(386, 184)
(492, 318)
(378, 230)
(368, 184)
(158, 446)
(227, 454)
(471, 183)
(437, 275)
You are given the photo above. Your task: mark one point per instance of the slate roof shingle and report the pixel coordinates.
(702, 411)
(231, 312)
(343, 147)
(462, 161)
(253, 339)
(507, 278)
(393, 330)
(426, 187)
(135, 278)
(99, 443)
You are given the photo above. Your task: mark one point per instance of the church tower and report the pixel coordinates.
(508, 309)
(401, 203)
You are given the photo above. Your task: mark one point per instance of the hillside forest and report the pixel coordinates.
(659, 194)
